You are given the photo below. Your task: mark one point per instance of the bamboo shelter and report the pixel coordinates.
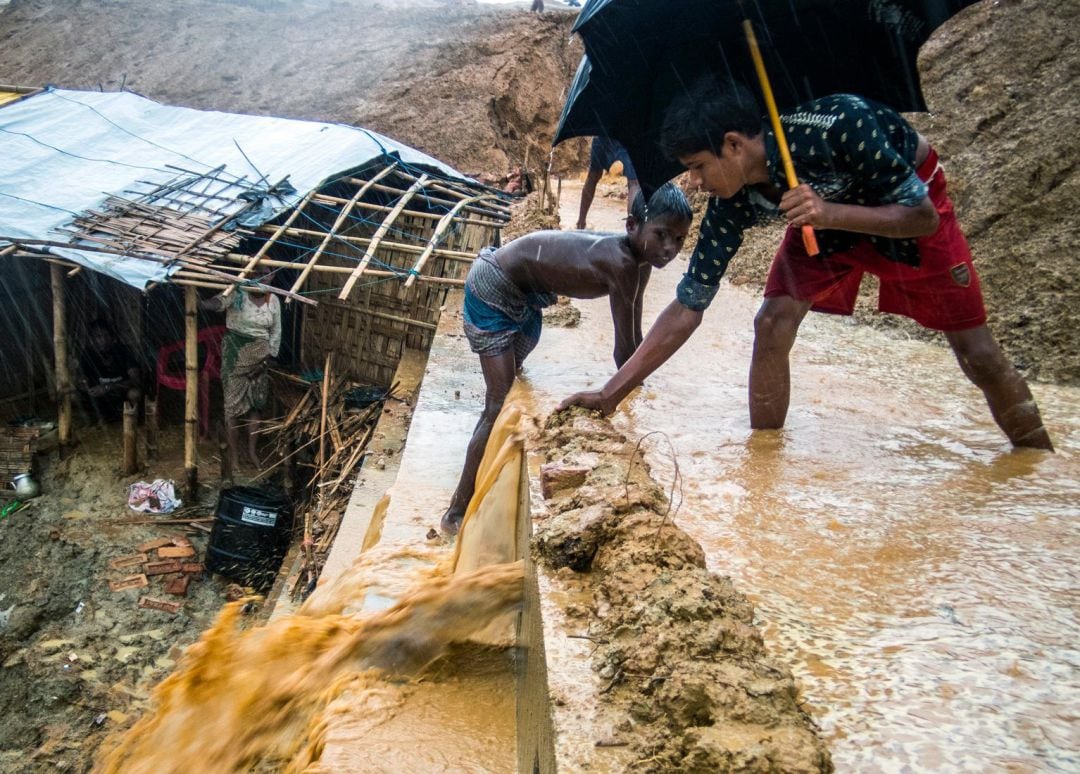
(359, 236)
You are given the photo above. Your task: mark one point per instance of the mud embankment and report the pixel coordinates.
(685, 676)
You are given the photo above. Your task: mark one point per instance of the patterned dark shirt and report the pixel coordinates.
(849, 150)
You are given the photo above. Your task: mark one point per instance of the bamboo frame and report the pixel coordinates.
(341, 218)
(443, 224)
(204, 268)
(455, 254)
(379, 234)
(445, 188)
(495, 214)
(381, 273)
(337, 200)
(272, 240)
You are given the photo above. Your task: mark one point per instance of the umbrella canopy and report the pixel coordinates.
(640, 54)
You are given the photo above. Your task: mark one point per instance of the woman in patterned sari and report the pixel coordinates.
(253, 336)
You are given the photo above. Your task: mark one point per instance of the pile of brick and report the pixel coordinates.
(170, 561)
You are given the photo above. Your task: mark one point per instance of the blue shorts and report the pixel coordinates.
(606, 152)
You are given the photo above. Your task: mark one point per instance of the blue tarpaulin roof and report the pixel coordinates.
(64, 152)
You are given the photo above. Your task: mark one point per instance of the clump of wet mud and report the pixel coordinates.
(563, 314)
(687, 680)
(528, 215)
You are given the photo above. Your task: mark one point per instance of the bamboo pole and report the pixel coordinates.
(443, 224)
(407, 248)
(322, 415)
(445, 188)
(151, 428)
(131, 457)
(492, 213)
(341, 218)
(337, 200)
(191, 389)
(148, 256)
(60, 355)
(370, 272)
(379, 234)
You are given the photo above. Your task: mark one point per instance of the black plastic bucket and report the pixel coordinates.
(250, 536)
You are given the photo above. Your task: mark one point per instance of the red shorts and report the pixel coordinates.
(942, 293)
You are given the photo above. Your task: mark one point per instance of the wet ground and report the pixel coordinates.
(917, 574)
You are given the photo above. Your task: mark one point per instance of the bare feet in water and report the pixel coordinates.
(451, 522)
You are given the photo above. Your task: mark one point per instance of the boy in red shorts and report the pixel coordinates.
(875, 194)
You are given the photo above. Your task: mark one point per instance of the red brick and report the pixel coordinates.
(124, 562)
(130, 582)
(176, 552)
(178, 585)
(163, 568)
(164, 605)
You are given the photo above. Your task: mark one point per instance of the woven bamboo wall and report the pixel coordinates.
(366, 344)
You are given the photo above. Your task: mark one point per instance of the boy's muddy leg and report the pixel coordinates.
(1009, 397)
(498, 373)
(775, 327)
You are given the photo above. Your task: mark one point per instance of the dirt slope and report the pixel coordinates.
(474, 85)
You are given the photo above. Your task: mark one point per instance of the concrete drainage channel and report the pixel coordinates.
(628, 653)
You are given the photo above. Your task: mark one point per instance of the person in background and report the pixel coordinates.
(603, 153)
(507, 288)
(537, 6)
(253, 336)
(109, 374)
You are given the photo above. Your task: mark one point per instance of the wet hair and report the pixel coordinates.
(698, 119)
(668, 200)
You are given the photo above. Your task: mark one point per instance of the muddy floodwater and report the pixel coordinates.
(918, 575)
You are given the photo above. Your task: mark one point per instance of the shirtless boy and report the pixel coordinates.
(507, 288)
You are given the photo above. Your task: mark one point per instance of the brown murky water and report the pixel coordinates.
(405, 687)
(919, 576)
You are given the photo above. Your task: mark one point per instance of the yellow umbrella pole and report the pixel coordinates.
(809, 240)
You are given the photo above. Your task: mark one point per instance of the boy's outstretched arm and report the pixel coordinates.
(670, 331)
(623, 317)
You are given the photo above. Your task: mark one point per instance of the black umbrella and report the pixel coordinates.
(640, 53)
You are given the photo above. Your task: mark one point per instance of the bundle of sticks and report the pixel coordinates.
(326, 441)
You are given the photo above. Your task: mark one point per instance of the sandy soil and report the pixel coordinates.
(478, 86)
